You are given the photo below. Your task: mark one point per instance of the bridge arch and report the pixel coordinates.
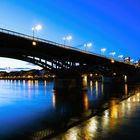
(56, 57)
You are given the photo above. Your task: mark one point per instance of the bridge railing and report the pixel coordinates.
(15, 33)
(47, 41)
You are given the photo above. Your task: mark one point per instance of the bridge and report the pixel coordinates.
(59, 58)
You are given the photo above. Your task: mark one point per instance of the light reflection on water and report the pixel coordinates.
(33, 108)
(99, 127)
(21, 103)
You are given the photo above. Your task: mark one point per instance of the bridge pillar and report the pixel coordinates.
(70, 82)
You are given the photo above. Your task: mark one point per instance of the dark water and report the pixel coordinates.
(33, 110)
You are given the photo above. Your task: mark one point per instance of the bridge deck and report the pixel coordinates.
(14, 45)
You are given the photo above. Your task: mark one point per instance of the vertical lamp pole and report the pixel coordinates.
(103, 50)
(112, 53)
(67, 38)
(64, 38)
(87, 45)
(35, 28)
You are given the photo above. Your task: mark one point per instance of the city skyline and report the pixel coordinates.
(107, 25)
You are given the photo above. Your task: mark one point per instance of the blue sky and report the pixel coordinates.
(110, 24)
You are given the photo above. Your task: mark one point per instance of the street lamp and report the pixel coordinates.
(112, 53)
(67, 38)
(36, 28)
(120, 56)
(87, 45)
(103, 50)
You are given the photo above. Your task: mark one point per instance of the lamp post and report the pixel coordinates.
(64, 39)
(103, 50)
(33, 32)
(67, 38)
(87, 45)
(112, 53)
(120, 56)
(36, 28)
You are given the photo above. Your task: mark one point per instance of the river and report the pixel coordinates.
(32, 109)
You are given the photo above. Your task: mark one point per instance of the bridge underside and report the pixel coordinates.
(58, 67)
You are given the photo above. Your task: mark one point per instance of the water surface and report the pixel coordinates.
(32, 109)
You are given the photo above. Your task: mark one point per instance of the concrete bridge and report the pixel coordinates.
(60, 59)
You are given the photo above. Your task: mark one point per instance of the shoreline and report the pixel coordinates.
(50, 78)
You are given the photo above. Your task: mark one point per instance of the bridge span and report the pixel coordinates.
(59, 58)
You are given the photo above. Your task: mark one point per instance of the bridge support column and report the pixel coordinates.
(70, 83)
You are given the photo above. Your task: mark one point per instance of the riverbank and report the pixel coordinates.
(26, 75)
(26, 78)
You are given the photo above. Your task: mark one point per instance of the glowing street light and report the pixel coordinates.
(112, 53)
(87, 45)
(36, 28)
(67, 38)
(103, 50)
(120, 56)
